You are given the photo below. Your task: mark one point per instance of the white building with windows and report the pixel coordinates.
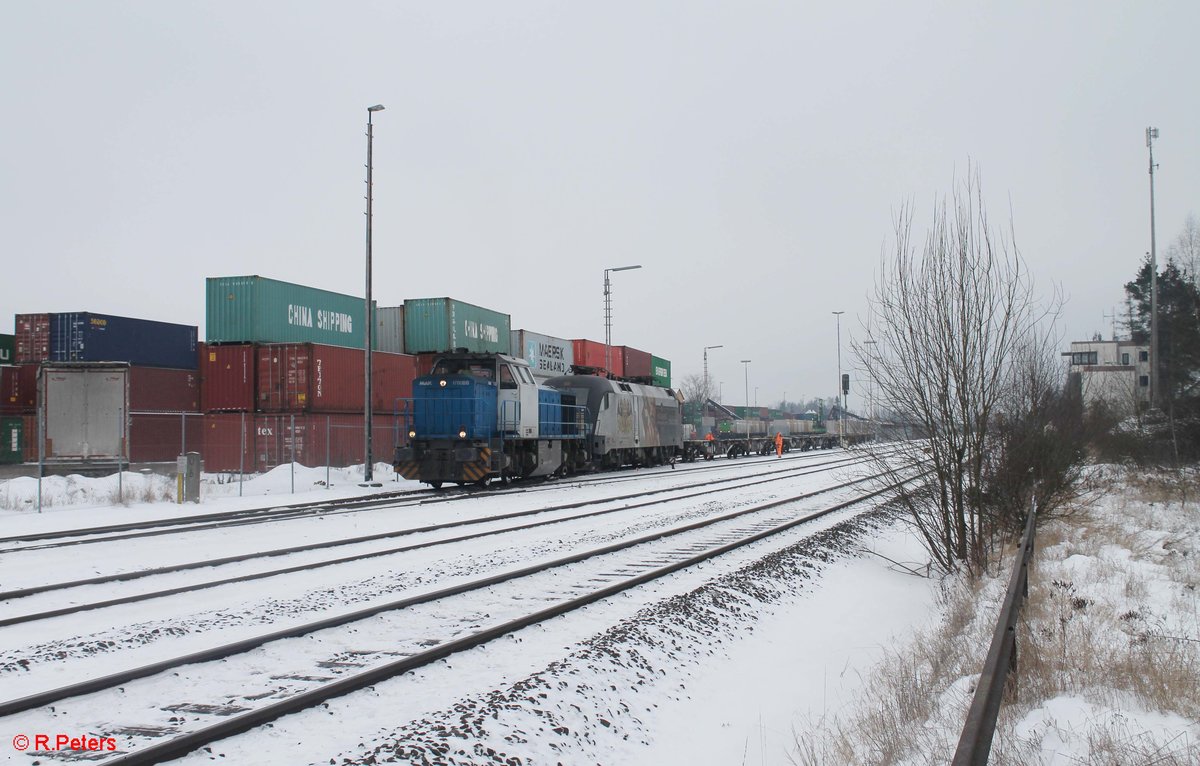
(1116, 372)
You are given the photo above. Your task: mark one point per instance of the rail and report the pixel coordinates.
(975, 744)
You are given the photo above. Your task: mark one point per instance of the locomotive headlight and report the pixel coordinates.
(442, 382)
(462, 432)
(412, 434)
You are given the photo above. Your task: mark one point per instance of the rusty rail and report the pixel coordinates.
(975, 744)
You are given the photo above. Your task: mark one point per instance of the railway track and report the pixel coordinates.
(737, 483)
(380, 501)
(358, 649)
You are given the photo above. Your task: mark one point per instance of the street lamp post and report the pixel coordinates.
(608, 317)
(368, 457)
(841, 395)
(746, 370)
(1151, 134)
(872, 348)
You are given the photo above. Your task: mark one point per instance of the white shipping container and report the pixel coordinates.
(389, 329)
(548, 357)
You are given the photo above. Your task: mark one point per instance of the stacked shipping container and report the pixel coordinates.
(159, 360)
(278, 353)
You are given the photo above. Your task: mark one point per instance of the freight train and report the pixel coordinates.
(479, 418)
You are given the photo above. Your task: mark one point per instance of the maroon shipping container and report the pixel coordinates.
(32, 338)
(391, 381)
(160, 389)
(310, 439)
(31, 437)
(161, 438)
(590, 353)
(227, 381)
(311, 377)
(18, 389)
(637, 364)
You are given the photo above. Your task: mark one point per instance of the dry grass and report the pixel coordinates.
(1112, 623)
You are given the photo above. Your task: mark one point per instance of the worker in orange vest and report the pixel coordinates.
(779, 443)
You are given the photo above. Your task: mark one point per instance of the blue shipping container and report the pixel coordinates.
(86, 337)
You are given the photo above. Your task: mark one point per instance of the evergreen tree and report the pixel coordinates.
(1178, 327)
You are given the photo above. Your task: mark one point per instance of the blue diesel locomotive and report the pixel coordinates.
(479, 418)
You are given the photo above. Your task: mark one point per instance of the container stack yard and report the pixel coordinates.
(278, 377)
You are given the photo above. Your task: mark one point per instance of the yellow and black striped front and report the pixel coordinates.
(437, 463)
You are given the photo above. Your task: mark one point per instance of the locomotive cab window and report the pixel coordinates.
(506, 377)
(526, 375)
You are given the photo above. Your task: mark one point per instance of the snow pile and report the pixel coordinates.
(144, 488)
(1108, 649)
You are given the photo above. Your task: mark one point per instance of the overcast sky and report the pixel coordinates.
(751, 156)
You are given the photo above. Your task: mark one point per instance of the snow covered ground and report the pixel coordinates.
(723, 602)
(727, 662)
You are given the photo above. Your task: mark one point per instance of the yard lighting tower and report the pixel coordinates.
(368, 457)
(1151, 134)
(840, 390)
(608, 317)
(706, 350)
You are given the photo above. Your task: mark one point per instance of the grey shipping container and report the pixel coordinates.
(254, 309)
(434, 325)
(389, 329)
(549, 357)
(87, 411)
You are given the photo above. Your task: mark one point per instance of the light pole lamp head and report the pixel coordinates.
(706, 348)
(623, 268)
(745, 361)
(376, 108)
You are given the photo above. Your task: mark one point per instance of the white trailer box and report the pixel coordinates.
(86, 410)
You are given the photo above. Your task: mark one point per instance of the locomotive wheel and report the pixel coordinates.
(435, 484)
(505, 480)
(484, 483)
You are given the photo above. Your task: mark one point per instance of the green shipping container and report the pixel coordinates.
(660, 370)
(8, 345)
(434, 325)
(12, 440)
(254, 309)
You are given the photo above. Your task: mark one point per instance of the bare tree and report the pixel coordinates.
(948, 322)
(696, 388)
(1185, 250)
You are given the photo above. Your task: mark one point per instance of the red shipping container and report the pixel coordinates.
(32, 338)
(425, 362)
(590, 353)
(227, 382)
(160, 389)
(222, 447)
(18, 389)
(31, 438)
(161, 438)
(273, 440)
(391, 381)
(637, 364)
(310, 377)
